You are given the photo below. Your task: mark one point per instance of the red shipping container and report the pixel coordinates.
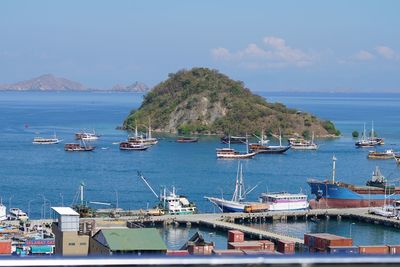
(247, 245)
(235, 236)
(394, 249)
(286, 247)
(5, 247)
(177, 252)
(221, 252)
(373, 249)
(267, 245)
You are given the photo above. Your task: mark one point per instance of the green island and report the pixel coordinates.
(204, 101)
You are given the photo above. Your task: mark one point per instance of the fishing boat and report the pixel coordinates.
(78, 147)
(46, 141)
(302, 144)
(336, 194)
(237, 203)
(170, 202)
(86, 136)
(230, 153)
(262, 148)
(284, 201)
(388, 154)
(233, 139)
(131, 146)
(187, 139)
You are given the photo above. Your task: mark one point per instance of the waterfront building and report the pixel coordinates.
(127, 241)
(68, 240)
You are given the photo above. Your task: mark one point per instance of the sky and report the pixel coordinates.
(347, 46)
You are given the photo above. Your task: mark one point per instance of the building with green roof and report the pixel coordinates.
(127, 241)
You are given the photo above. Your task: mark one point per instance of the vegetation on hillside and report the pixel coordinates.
(201, 100)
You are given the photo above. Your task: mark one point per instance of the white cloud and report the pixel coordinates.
(364, 55)
(387, 52)
(274, 54)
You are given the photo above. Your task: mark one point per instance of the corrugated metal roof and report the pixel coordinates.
(65, 211)
(134, 239)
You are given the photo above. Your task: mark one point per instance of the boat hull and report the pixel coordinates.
(269, 150)
(329, 195)
(227, 205)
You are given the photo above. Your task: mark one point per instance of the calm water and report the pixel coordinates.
(30, 172)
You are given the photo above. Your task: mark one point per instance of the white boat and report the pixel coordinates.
(370, 141)
(143, 139)
(237, 203)
(302, 144)
(17, 214)
(170, 202)
(86, 136)
(230, 153)
(130, 146)
(46, 141)
(284, 201)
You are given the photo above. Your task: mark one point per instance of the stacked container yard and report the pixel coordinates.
(320, 243)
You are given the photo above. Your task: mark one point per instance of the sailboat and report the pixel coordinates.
(46, 141)
(230, 153)
(171, 203)
(237, 203)
(263, 148)
(371, 141)
(140, 139)
(302, 144)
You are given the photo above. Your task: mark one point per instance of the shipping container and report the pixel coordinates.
(342, 250)
(267, 245)
(235, 236)
(322, 241)
(256, 207)
(227, 252)
(200, 250)
(259, 252)
(177, 252)
(373, 249)
(248, 245)
(394, 249)
(5, 247)
(285, 247)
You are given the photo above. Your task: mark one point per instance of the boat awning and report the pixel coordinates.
(41, 249)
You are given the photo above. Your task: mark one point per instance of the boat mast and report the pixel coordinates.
(241, 185)
(372, 130)
(364, 134)
(149, 137)
(247, 145)
(333, 169)
(280, 138)
(81, 190)
(235, 194)
(136, 132)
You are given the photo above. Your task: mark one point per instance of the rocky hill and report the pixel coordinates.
(201, 100)
(47, 82)
(135, 87)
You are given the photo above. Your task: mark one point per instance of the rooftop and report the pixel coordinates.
(65, 211)
(133, 239)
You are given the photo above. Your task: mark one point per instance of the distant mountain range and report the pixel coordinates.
(49, 82)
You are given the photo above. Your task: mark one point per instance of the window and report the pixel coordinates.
(71, 244)
(82, 244)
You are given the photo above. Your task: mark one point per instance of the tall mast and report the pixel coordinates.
(333, 169)
(136, 132)
(148, 185)
(235, 194)
(149, 137)
(364, 135)
(372, 130)
(81, 189)
(280, 137)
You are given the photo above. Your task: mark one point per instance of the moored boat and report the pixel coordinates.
(284, 201)
(334, 194)
(86, 136)
(143, 139)
(262, 148)
(133, 146)
(17, 214)
(77, 147)
(46, 141)
(238, 203)
(370, 141)
(170, 202)
(388, 154)
(302, 144)
(187, 139)
(230, 153)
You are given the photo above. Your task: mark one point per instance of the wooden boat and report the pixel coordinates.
(187, 139)
(388, 154)
(86, 136)
(262, 148)
(77, 147)
(230, 153)
(146, 139)
(370, 141)
(46, 141)
(133, 146)
(302, 144)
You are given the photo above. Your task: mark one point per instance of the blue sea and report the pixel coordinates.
(35, 177)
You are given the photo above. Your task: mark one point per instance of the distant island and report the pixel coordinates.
(49, 82)
(205, 101)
